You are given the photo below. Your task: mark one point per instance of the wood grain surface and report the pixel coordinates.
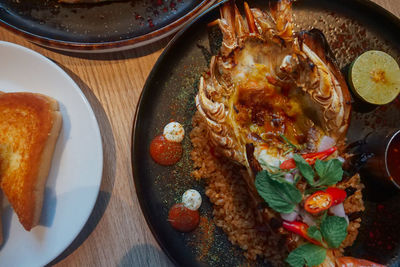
(116, 233)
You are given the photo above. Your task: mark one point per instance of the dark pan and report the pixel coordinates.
(94, 27)
(351, 27)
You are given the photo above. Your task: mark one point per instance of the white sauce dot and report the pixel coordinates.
(174, 132)
(191, 199)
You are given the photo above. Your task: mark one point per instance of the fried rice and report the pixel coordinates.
(231, 209)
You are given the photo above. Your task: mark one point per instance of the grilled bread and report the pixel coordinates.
(29, 128)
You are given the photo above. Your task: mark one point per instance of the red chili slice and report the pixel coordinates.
(317, 202)
(311, 158)
(299, 228)
(323, 200)
(337, 194)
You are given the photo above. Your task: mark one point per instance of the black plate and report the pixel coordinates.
(102, 26)
(351, 27)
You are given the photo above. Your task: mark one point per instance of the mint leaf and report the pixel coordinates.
(334, 230)
(330, 172)
(281, 195)
(304, 168)
(297, 177)
(308, 254)
(314, 233)
(278, 176)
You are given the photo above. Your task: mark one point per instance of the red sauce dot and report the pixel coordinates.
(150, 21)
(380, 207)
(165, 152)
(371, 234)
(182, 218)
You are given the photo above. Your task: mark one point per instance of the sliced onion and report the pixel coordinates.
(290, 217)
(326, 143)
(289, 178)
(338, 210)
(342, 160)
(307, 218)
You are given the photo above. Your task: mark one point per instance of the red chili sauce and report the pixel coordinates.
(393, 159)
(165, 152)
(182, 218)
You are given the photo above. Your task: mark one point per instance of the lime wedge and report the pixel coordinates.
(375, 77)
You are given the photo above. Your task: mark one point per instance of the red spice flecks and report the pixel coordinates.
(378, 237)
(150, 21)
(397, 102)
(371, 234)
(159, 2)
(383, 108)
(138, 17)
(172, 5)
(380, 207)
(203, 238)
(165, 9)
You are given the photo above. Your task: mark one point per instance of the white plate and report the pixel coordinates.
(75, 176)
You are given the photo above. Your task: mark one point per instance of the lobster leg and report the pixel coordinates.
(282, 14)
(250, 18)
(215, 111)
(227, 26)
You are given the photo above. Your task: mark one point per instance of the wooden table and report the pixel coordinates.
(116, 233)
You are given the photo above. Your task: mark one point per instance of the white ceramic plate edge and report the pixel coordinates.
(96, 137)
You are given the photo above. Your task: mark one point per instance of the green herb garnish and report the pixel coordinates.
(314, 233)
(331, 230)
(280, 195)
(334, 230)
(307, 254)
(304, 168)
(296, 177)
(330, 172)
(288, 151)
(288, 143)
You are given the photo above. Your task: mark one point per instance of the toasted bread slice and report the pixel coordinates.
(29, 127)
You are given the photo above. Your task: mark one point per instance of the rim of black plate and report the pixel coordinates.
(92, 47)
